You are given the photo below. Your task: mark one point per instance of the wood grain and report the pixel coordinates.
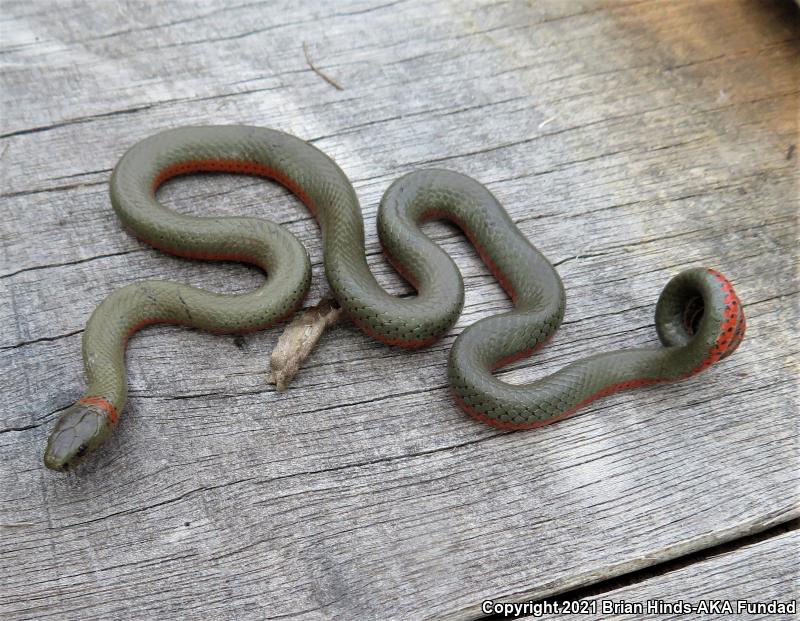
(628, 139)
(761, 572)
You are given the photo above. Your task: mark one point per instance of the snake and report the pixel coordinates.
(699, 317)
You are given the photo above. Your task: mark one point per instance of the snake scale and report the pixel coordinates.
(698, 316)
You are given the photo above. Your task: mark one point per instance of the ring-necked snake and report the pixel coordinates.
(698, 315)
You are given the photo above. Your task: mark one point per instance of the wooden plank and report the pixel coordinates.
(743, 581)
(628, 141)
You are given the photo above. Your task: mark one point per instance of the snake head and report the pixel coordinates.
(81, 429)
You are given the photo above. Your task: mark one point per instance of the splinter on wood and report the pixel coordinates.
(314, 68)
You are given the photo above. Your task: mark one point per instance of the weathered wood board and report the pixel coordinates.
(744, 579)
(628, 139)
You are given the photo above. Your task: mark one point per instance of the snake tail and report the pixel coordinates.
(699, 318)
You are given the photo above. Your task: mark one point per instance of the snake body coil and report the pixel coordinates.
(698, 316)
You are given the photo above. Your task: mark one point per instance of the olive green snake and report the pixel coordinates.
(698, 316)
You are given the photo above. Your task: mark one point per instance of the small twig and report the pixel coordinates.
(313, 67)
(299, 339)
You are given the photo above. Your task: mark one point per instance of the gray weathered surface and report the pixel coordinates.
(763, 572)
(629, 141)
